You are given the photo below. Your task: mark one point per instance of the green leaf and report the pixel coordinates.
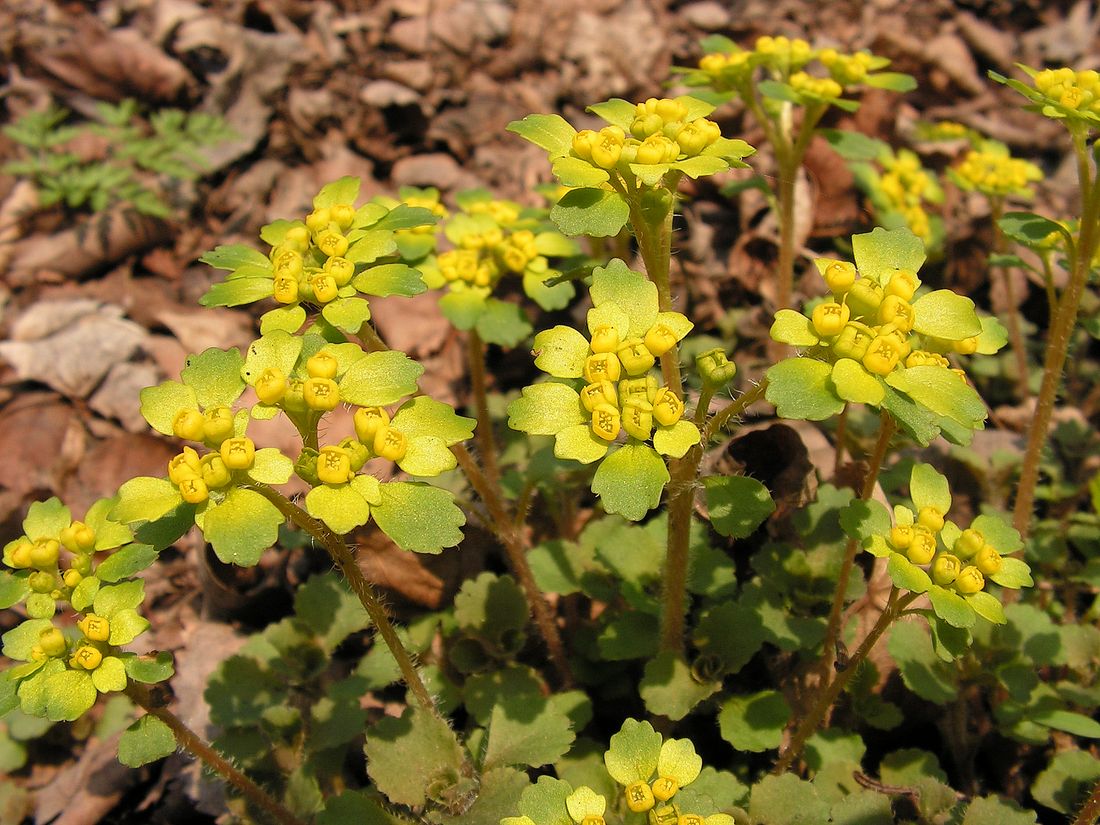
(855, 384)
(160, 404)
(342, 507)
(110, 676)
(906, 575)
(699, 166)
(668, 687)
(941, 391)
(408, 755)
(1014, 574)
(630, 481)
(617, 112)
(546, 409)
(215, 376)
(921, 669)
(427, 457)
(737, 504)
(863, 519)
(524, 730)
(369, 246)
(922, 425)
(579, 443)
(418, 517)
(635, 294)
(928, 488)
(84, 593)
(503, 323)
(794, 328)
(238, 292)
(676, 440)
(574, 172)
(274, 350)
(544, 803)
(1066, 781)
(1067, 720)
(355, 808)
(892, 81)
(987, 606)
(69, 694)
(145, 741)
(40, 606)
(21, 639)
(550, 132)
(46, 519)
(380, 378)
(855, 145)
(426, 416)
(998, 532)
(242, 527)
(126, 562)
(787, 800)
(754, 722)
(115, 598)
(234, 256)
(803, 388)
(734, 650)
(991, 810)
(951, 607)
(342, 191)
(390, 279)
(126, 625)
(561, 352)
(347, 314)
(944, 314)
(109, 534)
(463, 307)
(13, 589)
(1030, 229)
(149, 669)
(599, 213)
(326, 606)
(549, 296)
(271, 467)
(879, 252)
(283, 319)
(993, 337)
(633, 752)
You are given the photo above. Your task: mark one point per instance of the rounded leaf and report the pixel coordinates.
(546, 409)
(561, 352)
(630, 481)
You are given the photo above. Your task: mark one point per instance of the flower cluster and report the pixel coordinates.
(1063, 94)
(68, 662)
(905, 186)
(991, 170)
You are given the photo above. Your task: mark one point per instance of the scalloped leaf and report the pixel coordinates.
(945, 314)
(633, 752)
(234, 256)
(271, 467)
(635, 294)
(347, 314)
(126, 562)
(390, 279)
(427, 456)
(630, 481)
(943, 392)
(344, 190)
(879, 252)
(737, 504)
(803, 388)
(340, 507)
(987, 606)
(380, 378)
(561, 352)
(215, 376)
(46, 519)
(855, 384)
(238, 292)
(928, 488)
(407, 755)
(1014, 574)
(525, 730)
(574, 172)
(282, 319)
(793, 328)
(145, 741)
(418, 517)
(503, 323)
(599, 213)
(278, 349)
(669, 688)
(546, 409)
(463, 307)
(754, 722)
(145, 499)
(674, 441)
(579, 443)
(426, 416)
(242, 527)
(951, 607)
(69, 695)
(160, 404)
(550, 132)
(906, 575)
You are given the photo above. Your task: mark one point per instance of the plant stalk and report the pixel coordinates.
(486, 443)
(1089, 813)
(344, 559)
(1015, 334)
(826, 698)
(505, 529)
(199, 748)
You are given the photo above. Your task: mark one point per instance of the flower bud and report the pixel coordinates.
(82, 565)
(297, 238)
(988, 560)
(238, 453)
(271, 385)
(20, 554)
(864, 298)
(52, 641)
(95, 628)
(839, 276)
(319, 219)
(609, 148)
(945, 569)
(606, 422)
(854, 341)
(390, 443)
(188, 424)
(305, 466)
(903, 284)
(645, 387)
(44, 553)
(901, 536)
(830, 318)
(922, 548)
(970, 580)
(42, 582)
(931, 518)
(78, 537)
(334, 466)
(321, 394)
(968, 543)
(86, 657)
(966, 346)
(342, 214)
(72, 577)
(368, 420)
(715, 368)
(357, 451)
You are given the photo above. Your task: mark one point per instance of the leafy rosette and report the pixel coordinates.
(876, 342)
(1072, 97)
(928, 553)
(83, 567)
(609, 406)
(731, 71)
(645, 146)
(328, 261)
(492, 239)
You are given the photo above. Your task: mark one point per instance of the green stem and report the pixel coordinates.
(788, 172)
(841, 435)
(1058, 341)
(198, 747)
(826, 698)
(486, 443)
(887, 426)
(512, 539)
(344, 559)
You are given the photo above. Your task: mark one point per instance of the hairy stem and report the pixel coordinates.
(735, 407)
(486, 443)
(886, 429)
(199, 748)
(1089, 813)
(511, 538)
(344, 559)
(1058, 341)
(826, 698)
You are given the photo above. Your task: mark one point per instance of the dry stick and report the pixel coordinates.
(486, 444)
(832, 630)
(894, 606)
(343, 557)
(195, 745)
(1058, 341)
(512, 539)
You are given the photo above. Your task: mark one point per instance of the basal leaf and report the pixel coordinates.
(527, 730)
(754, 722)
(145, 741)
(408, 755)
(669, 688)
(737, 504)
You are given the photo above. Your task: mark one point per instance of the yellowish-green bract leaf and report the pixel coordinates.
(1014, 574)
(556, 245)
(367, 247)
(585, 802)
(390, 279)
(118, 597)
(21, 639)
(109, 534)
(418, 517)
(561, 352)
(944, 314)
(145, 499)
(675, 440)
(149, 669)
(630, 481)
(548, 296)
(609, 314)
(579, 443)
(427, 456)
(160, 404)
(987, 606)
(426, 416)
(677, 322)
(906, 575)
(344, 190)
(803, 388)
(273, 350)
(46, 519)
(616, 111)
(599, 213)
(879, 252)
(380, 378)
(242, 527)
(408, 755)
(633, 292)
(941, 391)
(730, 150)
(700, 165)
(341, 507)
(794, 328)
(236, 292)
(69, 694)
(503, 323)
(928, 488)
(543, 803)
(651, 173)
(463, 307)
(550, 132)
(571, 171)
(545, 409)
(679, 761)
(234, 256)
(286, 319)
(993, 337)
(999, 533)
(951, 607)
(737, 504)
(215, 376)
(855, 384)
(348, 314)
(271, 467)
(145, 741)
(126, 625)
(633, 753)
(110, 676)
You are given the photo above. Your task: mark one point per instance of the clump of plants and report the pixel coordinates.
(638, 577)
